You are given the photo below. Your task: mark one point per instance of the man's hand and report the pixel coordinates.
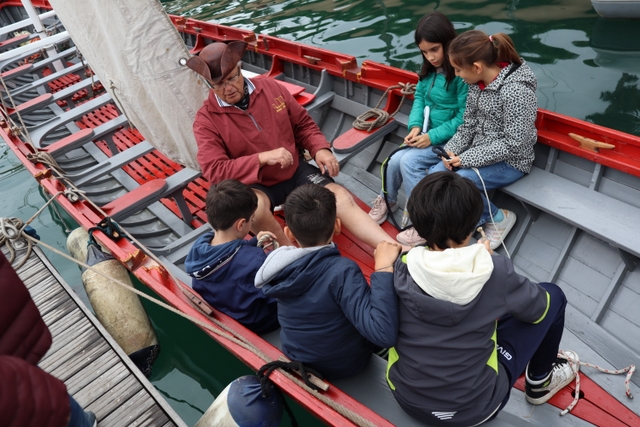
(278, 156)
(327, 162)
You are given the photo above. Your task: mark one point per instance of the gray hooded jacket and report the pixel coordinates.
(445, 360)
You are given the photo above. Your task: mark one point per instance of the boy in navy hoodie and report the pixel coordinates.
(223, 264)
(469, 324)
(329, 316)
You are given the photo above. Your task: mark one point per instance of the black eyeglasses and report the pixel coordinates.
(229, 81)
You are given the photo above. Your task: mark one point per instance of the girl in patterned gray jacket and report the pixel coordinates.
(494, 145)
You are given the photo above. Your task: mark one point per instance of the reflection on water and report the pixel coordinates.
(562, 41)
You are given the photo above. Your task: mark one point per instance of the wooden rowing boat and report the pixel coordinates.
(577, 210)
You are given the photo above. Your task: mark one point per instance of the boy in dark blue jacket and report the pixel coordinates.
(330, 317)
(223, 264)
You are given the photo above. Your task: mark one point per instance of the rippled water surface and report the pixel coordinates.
(587, 67)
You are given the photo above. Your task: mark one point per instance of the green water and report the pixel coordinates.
(587, 67)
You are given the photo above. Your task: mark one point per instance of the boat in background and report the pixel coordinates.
(617, 44)
(577, 210)
(617, 9)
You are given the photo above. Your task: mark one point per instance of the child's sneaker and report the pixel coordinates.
(379, 209)
(410, 237)
(496, 233)
(562, 374)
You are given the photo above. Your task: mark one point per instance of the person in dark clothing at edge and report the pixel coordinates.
(223, 264)
(454, 364)
(29, 396)
(329, 316)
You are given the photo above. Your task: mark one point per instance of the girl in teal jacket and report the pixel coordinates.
(444, 95)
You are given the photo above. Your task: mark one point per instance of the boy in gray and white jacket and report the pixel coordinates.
(469, 324)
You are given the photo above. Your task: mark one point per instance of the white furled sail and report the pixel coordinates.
(135, 50)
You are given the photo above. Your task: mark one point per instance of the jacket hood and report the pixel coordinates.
(521, 74)
(442, 287)
(454, 275)
(294, 269)
(204, 259)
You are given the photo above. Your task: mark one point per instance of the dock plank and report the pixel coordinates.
(94, 368)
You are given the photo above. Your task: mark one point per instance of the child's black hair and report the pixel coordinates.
(229, 201)
(436, 28)
(310, 213)
(445, 207)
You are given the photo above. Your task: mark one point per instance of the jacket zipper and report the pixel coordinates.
(251, 117)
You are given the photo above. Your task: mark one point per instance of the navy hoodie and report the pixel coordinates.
(330, 317)
(224, 275)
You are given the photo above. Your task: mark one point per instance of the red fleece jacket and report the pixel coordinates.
(229, 139)
(29, 396)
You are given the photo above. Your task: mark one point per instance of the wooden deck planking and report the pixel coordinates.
(95, 370)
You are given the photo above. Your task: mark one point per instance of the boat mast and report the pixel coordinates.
(40, 30)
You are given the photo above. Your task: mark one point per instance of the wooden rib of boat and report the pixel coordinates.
(577, 210)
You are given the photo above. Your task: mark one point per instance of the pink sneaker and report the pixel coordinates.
(379, 210)
(410, 237)
(496, 233)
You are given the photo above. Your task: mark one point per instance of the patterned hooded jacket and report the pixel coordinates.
(499, 121)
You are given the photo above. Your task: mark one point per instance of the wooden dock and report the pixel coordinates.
(98, 374)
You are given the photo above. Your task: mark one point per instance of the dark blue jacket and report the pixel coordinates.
(224, 276)
(330, 317)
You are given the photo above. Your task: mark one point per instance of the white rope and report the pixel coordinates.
(576, 396)
(266, 241)
(486, 194)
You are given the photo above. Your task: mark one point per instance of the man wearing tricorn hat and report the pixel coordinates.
(254, 131)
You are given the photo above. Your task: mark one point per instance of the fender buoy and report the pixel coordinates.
(117, 308)
(241, 404)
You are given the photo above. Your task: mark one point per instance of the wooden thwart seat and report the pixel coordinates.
(39, 133)
(31, 105)
(113, 163)
(135, 200)
(46, 80)
(16, 72)
(150, 192)
(48, 98)
(602, 216)
(356, 140)
(83, 136)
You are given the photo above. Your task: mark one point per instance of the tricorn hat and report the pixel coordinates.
(217, 60)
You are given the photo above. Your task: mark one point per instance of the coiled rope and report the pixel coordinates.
(265, 241)
(380, 116)
(12, 231)
(576, 396)
(10, 236)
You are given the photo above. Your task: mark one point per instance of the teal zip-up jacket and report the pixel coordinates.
(446, 104)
